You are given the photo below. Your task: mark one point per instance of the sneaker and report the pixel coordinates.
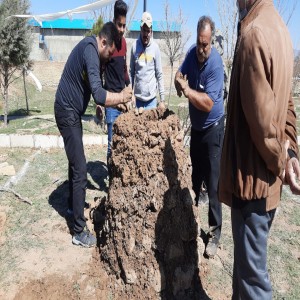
(84, 238)
(212, 246)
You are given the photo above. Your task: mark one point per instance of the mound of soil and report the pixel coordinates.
(150, 240)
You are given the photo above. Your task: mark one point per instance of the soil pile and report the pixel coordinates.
(151, 235)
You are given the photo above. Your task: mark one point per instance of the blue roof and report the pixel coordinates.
(64, 24)
(88, 24)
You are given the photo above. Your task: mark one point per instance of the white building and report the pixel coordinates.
(54, 40)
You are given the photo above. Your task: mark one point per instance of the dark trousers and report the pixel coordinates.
(70, 127)
(205, 152)
(250, 229)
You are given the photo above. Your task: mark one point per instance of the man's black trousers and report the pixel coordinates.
(205, 152)
(70, 127)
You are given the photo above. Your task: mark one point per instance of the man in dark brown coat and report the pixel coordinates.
(260, 145)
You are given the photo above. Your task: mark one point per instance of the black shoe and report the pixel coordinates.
(212, 245)
(84, 238)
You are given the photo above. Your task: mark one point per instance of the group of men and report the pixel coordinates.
(145, 69)
(259, 153)
(97, 66)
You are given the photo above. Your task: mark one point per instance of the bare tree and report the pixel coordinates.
(228, 15)
(175, 37)
(286, 8)
(132, 5)
(107, 13)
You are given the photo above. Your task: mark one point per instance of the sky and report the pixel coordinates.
(192, 10)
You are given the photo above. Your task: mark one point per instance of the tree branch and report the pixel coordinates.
(7, 190)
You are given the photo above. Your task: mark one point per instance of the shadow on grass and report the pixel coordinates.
(58, 199)
(19, 114)
(23, 112)
(98, 171)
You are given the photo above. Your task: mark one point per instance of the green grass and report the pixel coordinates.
(283, 250)
(175, 101)
(42, 103)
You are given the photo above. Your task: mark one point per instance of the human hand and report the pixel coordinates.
(129, 105)
(184, 85)
(162, 105)
(125, 107)
(177, 85)
(292, 173)
(99, 113)
(138, 111)
(127, 94)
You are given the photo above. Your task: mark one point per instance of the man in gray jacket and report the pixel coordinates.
(145, 67)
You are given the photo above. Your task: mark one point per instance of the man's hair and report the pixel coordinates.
(120, 9)
(110, 32)
(203, 21)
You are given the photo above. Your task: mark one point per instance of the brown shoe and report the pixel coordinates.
(212, 246)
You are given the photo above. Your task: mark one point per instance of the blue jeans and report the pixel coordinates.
(250, 229)
(146, 105)
(111, 115)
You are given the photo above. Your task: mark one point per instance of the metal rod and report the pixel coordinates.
(145, 5)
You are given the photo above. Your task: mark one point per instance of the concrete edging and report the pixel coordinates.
(45, 141)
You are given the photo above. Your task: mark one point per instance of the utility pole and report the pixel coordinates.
(145, 5)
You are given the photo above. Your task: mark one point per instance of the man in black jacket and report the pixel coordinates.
(81, 79)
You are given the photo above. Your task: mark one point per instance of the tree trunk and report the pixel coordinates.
(171, 81)
(5, 111)
(25, 90)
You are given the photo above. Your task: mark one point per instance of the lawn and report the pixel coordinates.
(40, 119)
